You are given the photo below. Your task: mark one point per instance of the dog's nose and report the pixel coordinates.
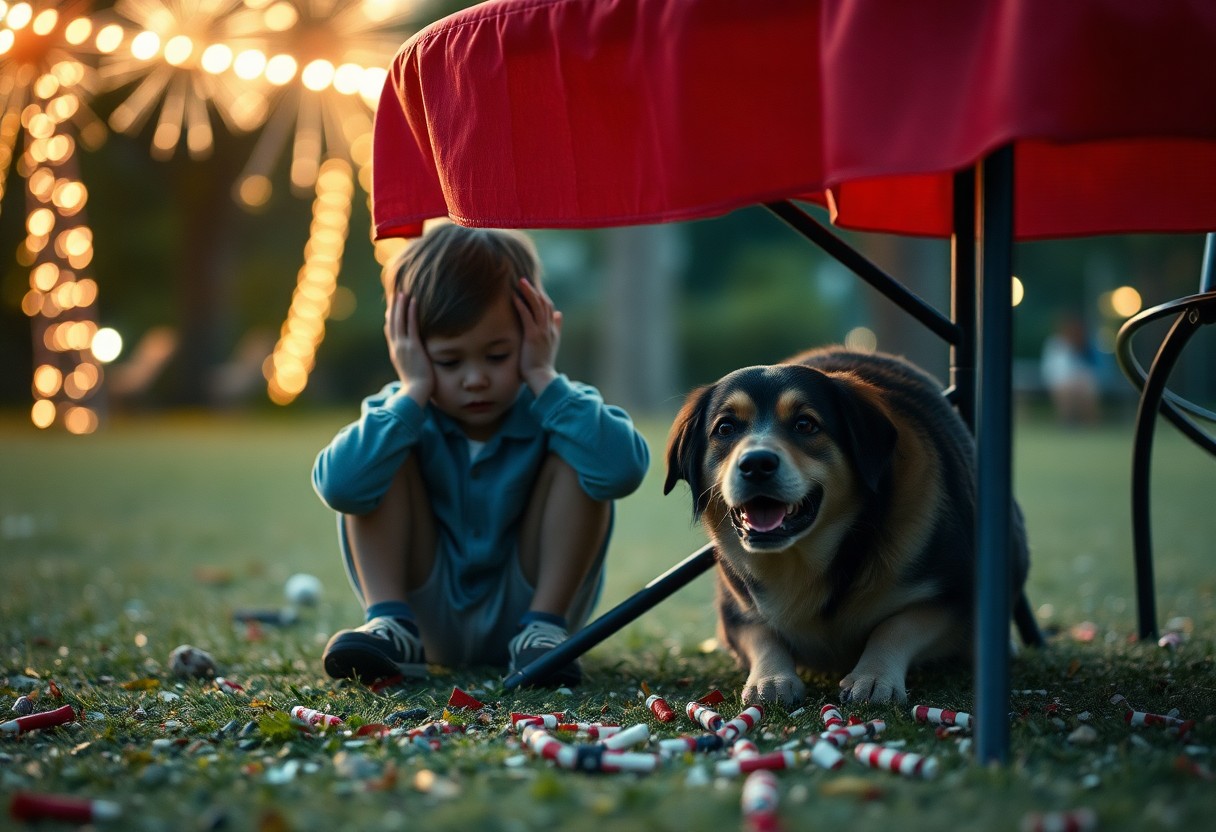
(758, 465)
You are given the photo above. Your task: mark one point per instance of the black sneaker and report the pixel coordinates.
(534, 641)
(380, 649)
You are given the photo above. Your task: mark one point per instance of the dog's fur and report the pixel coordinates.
(839, 492)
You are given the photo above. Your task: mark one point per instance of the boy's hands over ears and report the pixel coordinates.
(406, 350)
(542, 329)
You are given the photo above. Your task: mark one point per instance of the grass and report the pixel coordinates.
(118, 547)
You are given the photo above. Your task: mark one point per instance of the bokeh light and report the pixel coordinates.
(107, 345)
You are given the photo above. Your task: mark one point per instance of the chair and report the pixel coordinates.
(1189, 313)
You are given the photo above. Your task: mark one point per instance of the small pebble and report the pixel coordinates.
(24, 705)
(188, 661)
(1084, 735)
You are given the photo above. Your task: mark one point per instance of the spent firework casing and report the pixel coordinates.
(659, 707)
(314, 717)
(544, 744)
(1139, 718)
(773, 760)
(748, 719)
(595, 730)
(759, 799)
(743, 747)
(31, 806)
(760, 792)
(941, 716)
(551, 720)
(228, 686)
(703, 715)
(826, 755)
(841, 735)
(702, 744)
(42, 719)
(628, 761)
(633, 735)
(598, 758)
(714, 697)
(830, 715)
(900, 762)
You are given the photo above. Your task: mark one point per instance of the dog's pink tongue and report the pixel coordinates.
(763, 515)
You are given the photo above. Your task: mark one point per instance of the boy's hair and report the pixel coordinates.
(457, 273)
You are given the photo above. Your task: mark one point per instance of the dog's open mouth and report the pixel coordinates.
(764, 522)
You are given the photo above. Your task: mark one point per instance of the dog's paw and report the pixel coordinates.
(777, 688)
(865, 687)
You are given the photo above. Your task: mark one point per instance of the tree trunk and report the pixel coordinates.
(638, 341)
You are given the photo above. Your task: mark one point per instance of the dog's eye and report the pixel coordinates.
(725, 427)
(807, 425)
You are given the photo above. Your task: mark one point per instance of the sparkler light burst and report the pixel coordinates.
(181, 55)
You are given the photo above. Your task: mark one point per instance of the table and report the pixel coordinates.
(987, 122)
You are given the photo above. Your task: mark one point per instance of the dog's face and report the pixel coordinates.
(777, 451)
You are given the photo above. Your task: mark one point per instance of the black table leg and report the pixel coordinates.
(994, 207)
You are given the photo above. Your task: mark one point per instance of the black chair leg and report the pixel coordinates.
(1142, 450)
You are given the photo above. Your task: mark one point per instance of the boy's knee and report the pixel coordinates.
(562, 485)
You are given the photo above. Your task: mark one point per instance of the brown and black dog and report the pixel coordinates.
(839, 492)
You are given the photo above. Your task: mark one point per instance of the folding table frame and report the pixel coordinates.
(979, 332)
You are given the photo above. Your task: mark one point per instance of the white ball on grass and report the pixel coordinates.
(303, 589)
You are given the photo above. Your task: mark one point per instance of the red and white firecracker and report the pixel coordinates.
(831, 717)
(43, 719)
(840, 736)
(941, 716)
(659, 707)
(634, 735)
(317, 719)
(826, 755)
(900, 762)
(703, 715)
(772, 761)
(30, 806)
(743, 748)
(760, 800)
(748, 719)
(552, 720)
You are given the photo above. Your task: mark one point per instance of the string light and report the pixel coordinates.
(47, 86)
(292, 360)
(317, 65)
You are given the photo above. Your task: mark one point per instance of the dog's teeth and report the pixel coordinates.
(790, 509)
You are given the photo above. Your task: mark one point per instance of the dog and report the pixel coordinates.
(838, 489)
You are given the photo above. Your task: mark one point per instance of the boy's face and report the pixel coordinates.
(477, 372)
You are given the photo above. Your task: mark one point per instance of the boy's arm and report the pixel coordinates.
(597, 440)
(353, 472)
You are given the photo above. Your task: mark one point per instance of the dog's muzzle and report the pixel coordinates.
(764, 522)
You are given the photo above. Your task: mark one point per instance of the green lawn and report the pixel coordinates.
(103, 540)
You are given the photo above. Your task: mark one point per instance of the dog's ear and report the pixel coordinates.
(867, 434)
(686, 447)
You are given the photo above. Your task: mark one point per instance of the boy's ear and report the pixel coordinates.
(686, 448)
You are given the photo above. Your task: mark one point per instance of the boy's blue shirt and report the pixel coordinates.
(478, 508)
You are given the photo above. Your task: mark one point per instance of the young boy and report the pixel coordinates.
(475, 492)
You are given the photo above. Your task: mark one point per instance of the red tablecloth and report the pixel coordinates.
(585, 113)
